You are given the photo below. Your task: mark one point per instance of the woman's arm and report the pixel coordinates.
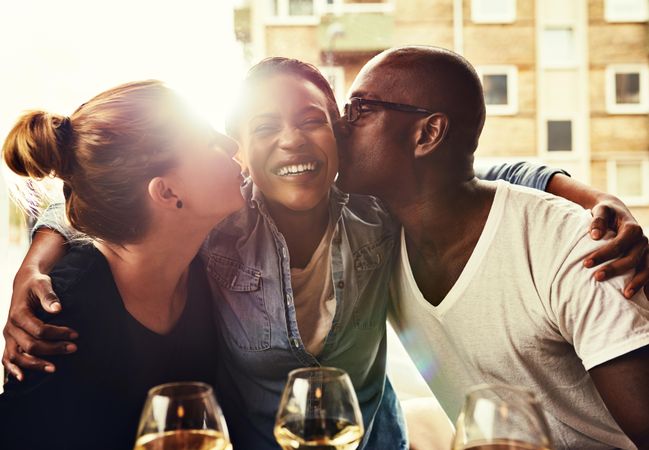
(630, 246)
(25, 334)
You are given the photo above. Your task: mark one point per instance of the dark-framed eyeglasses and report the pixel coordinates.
(354, 108)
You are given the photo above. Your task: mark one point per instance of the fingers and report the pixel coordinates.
(36, 328)
(29, 362)
(607, 252)
(640, 279)
(634, 251)
(602, 216)
(42, 289)
(13, 360)
(11, 348)
(619, 266)
(39, 347)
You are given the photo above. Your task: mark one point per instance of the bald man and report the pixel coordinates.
(490, 285)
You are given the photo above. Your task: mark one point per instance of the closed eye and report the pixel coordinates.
(314, 122)
(264, 129)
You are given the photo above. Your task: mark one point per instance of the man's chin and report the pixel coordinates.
(348, 184)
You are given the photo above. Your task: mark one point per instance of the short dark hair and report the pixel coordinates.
(445, 82)
(277, 65)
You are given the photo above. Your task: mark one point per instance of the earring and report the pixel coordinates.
(179, 204)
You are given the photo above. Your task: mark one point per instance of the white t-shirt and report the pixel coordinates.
(314, 297)
(525, 311)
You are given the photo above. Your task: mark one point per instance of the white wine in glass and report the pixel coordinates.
(182, 416)
(500, 417)
(319, 411)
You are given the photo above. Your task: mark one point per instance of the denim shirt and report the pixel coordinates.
(249, 269)
(249, 273)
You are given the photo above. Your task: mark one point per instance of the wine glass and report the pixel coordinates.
(182, 416)
(500, 417)
(319, 410)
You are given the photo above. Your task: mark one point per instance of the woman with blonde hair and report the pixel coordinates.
(145, 182)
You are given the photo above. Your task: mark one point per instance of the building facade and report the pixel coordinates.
(566, 81)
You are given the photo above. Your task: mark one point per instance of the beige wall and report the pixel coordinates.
(424, 22)
(423, 11)
(299, 42)
(611, 43)
(508, 136)
(500, 44)
(641, 213)
(619, 134)
(598, 177)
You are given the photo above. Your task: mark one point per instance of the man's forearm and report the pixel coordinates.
(47, 248)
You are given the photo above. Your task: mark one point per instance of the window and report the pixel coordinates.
(626, 10)
(627, 89)
(629, 180)
(558, 47)
(358, 6)
(493, 11)
(500, 85)
(296, 12)
(336, 77)
(559, 135)
(300, 8)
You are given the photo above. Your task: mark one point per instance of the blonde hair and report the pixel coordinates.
(106, 152)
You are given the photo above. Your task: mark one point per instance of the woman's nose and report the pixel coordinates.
(291, 138)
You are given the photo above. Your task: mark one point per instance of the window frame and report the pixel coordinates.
(549, 64)
(509, 17)
(546, 147)
(611, 178)
(610, 15)
(282, 16)
(341, 7)
(511, 108)
(612, 107)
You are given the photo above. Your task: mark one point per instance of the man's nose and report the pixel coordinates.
(292, 138)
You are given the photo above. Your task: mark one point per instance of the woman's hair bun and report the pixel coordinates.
(39, 145)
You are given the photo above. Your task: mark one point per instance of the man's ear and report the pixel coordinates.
(161, 193)
(432, 134)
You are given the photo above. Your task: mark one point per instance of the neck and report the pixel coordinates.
(151, 275)
(442, 224)
(302, 230)
(439, 207)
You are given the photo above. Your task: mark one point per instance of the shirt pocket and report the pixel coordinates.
(242, 307)
(372, 273)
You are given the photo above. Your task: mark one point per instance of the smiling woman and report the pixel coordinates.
(289, 144)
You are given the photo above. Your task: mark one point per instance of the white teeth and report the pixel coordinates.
(296, 169)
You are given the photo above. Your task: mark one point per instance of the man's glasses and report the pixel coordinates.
(354, 108)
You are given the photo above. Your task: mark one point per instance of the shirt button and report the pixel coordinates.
(341, 284)
(289, 299)
(296, 343)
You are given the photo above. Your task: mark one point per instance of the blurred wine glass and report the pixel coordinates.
(319, 410)
(499, 417)
(182, 416)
